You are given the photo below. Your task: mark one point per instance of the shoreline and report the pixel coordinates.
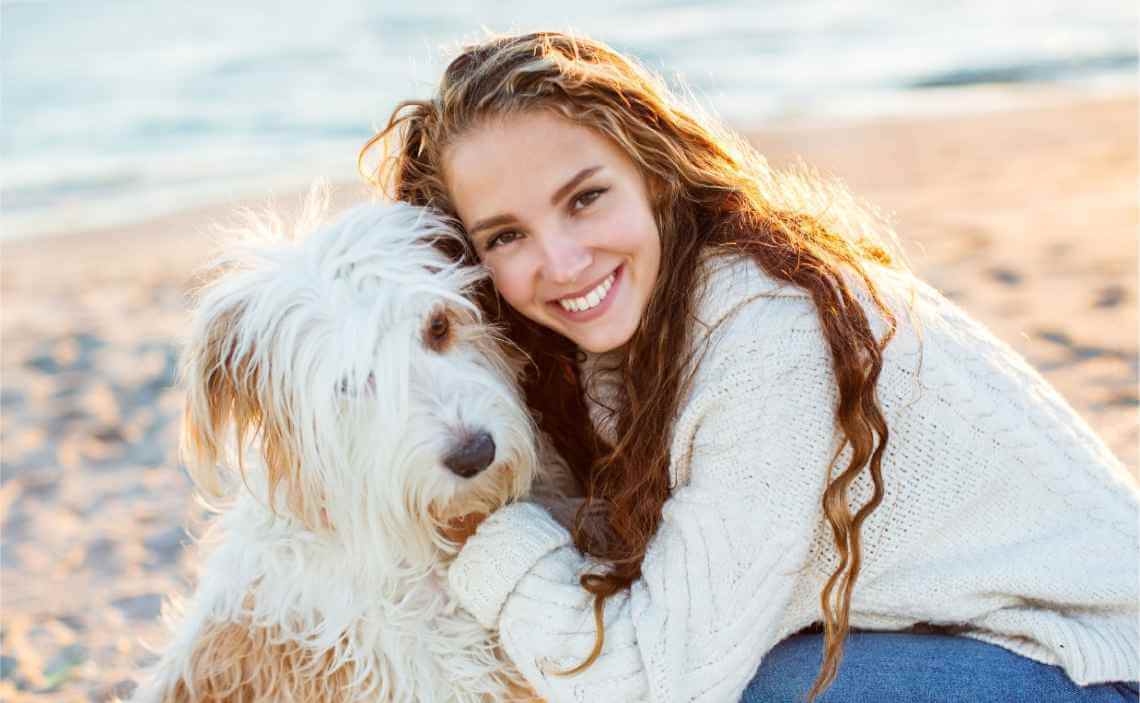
(931, 104)
(1025, 218)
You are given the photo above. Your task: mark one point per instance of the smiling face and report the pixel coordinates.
(562, 218)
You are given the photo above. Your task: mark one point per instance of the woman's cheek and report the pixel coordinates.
(512, 286)
(630, 229)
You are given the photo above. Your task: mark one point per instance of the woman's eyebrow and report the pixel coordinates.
(490, 222)
(570, 184)
(558, 195)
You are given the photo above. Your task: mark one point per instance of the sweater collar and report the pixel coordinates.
(731, 281)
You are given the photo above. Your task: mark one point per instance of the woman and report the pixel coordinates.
(773, 424)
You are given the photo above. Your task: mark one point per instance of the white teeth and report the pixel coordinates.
(589, 300)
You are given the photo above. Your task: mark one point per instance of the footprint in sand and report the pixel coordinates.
(1083, 352)
(1005, 276)
(120, 690)
(165, 547)
(141, 608)
(1110, 296)
(102, 557)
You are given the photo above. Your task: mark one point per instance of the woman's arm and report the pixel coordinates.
(717, 576)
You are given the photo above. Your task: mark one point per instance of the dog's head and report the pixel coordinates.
(355, 363)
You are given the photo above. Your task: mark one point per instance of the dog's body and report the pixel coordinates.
(379, 410)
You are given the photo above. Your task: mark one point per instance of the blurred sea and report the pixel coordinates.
(116, 111)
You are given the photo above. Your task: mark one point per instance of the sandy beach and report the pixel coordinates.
(1027, 218)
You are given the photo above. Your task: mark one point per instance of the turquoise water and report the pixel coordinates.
(116, 111)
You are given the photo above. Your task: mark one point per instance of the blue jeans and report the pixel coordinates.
(919, 668)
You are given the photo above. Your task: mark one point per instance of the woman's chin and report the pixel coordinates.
(600, 339)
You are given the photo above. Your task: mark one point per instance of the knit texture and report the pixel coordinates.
(1005, 518)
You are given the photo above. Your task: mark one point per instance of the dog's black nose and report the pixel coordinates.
(474, 454)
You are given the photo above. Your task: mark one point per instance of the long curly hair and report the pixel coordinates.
(711, 191)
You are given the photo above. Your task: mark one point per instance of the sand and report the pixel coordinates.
(1027, 218)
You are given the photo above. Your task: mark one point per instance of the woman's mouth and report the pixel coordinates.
(593, 302)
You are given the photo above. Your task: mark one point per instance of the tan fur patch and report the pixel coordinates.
(237, 664)
(233, 662)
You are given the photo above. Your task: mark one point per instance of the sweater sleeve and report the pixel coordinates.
(717, 575)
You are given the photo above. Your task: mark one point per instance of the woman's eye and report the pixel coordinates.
(588, 197)
(502, 238)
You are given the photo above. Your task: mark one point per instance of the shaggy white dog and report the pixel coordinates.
(359, 407)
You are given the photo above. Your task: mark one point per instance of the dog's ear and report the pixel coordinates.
(210, 375)
(227, 390)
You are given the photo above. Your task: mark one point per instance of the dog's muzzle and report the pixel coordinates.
(474, 453)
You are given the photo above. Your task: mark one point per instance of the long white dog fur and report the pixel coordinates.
(341, 393)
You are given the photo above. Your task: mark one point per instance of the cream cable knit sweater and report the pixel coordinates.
(1004, 515)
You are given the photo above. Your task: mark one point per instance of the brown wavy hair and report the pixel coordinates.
(711, 191)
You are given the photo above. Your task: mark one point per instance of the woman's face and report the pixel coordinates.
(562, 219)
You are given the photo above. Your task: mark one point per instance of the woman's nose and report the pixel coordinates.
(564, 259)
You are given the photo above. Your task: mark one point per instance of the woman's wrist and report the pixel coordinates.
(502, 550)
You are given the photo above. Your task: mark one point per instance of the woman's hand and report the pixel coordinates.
(562, 508)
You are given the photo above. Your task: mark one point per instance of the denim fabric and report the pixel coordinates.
(919, 668)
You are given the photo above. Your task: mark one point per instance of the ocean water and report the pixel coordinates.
(115, 111)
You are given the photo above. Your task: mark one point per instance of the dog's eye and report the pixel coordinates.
(438, 331)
